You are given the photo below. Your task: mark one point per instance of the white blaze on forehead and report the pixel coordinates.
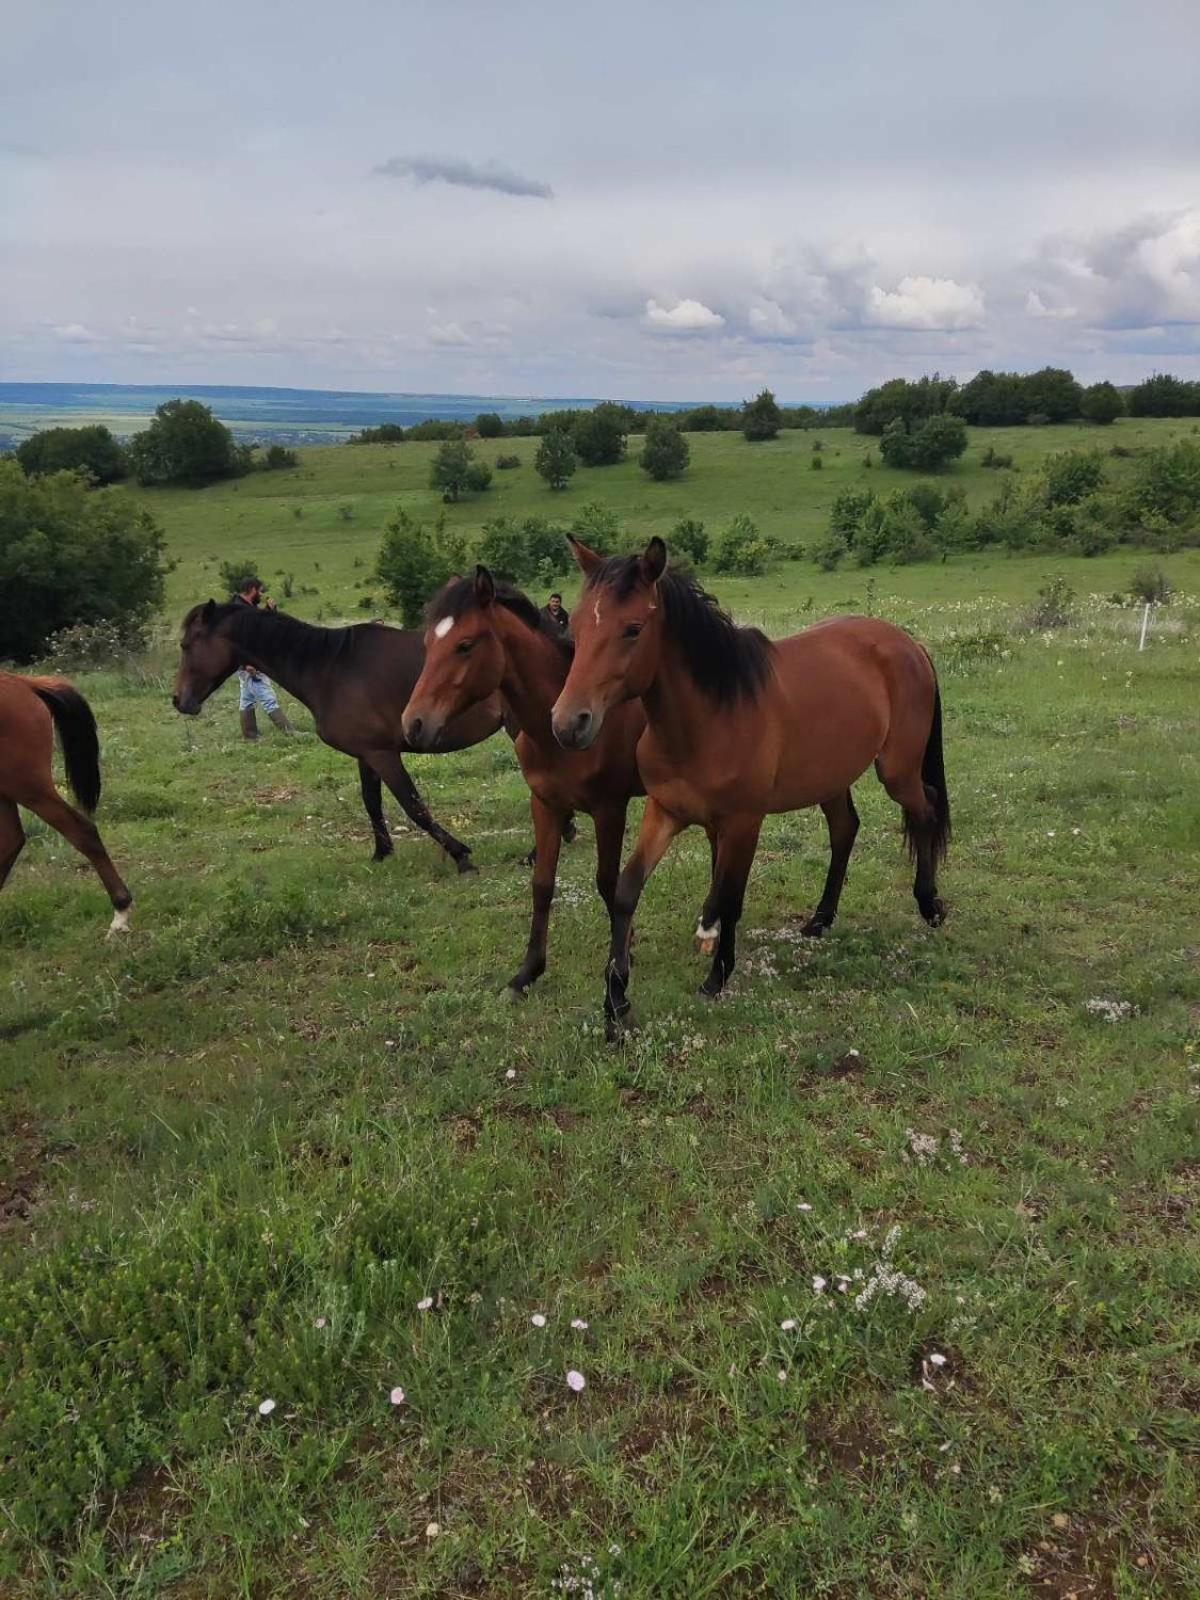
(596, 612)
(443, 627)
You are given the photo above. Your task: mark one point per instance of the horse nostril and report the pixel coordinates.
(583, 722)
(415, 725)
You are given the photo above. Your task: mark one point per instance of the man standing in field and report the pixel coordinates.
(256, 687)
(556, 612)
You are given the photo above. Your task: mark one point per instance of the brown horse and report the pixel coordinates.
(355, 681)
(738, 726)
(485, 637)
(30, 710)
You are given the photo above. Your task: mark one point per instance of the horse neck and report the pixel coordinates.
(535, 669)
(265, 646)
(677, 714)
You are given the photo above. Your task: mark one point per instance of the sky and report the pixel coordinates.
(660, 200)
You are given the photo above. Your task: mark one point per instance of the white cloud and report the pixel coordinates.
(1037, 307)
(926, 304)
(768, 320)
(1142, 275)
(448, 333)
(686, 316)
(75, 333)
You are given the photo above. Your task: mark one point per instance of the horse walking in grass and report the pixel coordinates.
(485, 637)
(31, 709)
(738, 727)
(356, 682)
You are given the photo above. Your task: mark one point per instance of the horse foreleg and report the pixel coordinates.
(372, 794)
(920, 827)
(81, 832)
(395, 774)
(842, 819)
(548, 831)
(737, 840)
(658, 829)
(12, 838)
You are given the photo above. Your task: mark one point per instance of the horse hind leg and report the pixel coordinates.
(841, 818)
(918, 801)
(12, 838)
(82, 833)
(371, 785)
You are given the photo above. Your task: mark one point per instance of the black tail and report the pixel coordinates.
(933, 774)
(77, 734)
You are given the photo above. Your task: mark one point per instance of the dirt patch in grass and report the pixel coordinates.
(852, 1443)
(21, 1179)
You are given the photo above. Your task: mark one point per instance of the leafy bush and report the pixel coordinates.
(665, 454)
(456, 472)
(599, 435)
(1054, 607)
(596, 525)
(234, 574)
(1151, 586)
(847, 511)
(276, 459)
(904, 401)
(1101, 403)
(927, 446)
(489, 425)
(504, 549)
(185, 444)
(436, 430)
(385, 433)
(1067, 478)
(345, 512)
(829, 551)
(506, 463)
(414, 561)
(1165, 396)
(741, 551)
(71, 555)
(688, 538)
(761, 418)
(92, 450)
(992, 457)
(556, 460)
(90, 646)
(816, 462)
(1166, 483)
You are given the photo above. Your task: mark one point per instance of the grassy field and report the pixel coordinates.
(888, 1260)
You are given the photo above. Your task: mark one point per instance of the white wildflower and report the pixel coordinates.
(265, 1407)
(788, 1324)
(397, 1396)
(579, 1324)
(576, 1381)
(538, 1320)
(426, 1304)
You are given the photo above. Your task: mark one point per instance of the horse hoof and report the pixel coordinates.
(814, 928)
(515, 992)
(465, 865)
(935, 913)
(119, 923)
(706, 991)
(615, 1028)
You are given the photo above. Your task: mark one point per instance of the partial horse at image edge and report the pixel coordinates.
(31, 711)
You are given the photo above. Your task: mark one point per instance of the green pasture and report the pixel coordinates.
(243, 1145)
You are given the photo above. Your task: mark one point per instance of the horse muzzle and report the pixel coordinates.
(576, 728)
(187, 705)
(422, 732)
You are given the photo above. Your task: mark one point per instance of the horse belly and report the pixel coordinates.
(830, 741)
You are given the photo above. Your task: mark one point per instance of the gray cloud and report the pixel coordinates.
(464, 175)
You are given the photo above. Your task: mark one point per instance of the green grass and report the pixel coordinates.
(332, 560)
(285, 1100)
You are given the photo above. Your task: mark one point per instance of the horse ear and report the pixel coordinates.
(654, 560)
(588, 559)
(485, 586)
(210, 611)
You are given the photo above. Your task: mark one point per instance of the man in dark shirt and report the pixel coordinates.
(256, 687)
(556, 613)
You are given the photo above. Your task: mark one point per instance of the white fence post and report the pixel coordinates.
(1145, 626)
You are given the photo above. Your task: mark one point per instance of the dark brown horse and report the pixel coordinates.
(30, 710)
(355, 681)
(738, 726)
(485, 637)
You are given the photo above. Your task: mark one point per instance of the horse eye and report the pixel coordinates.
(466, 647)
(632, 631)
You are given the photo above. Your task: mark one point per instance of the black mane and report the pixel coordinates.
(302, 643)
(726, 662)
(458, 596)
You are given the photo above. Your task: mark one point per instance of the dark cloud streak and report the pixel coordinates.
(464, 175)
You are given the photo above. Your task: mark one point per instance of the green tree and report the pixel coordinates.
(185, 444)
(556, 460)
(741, 550)
(665, 454)
(928, 446)
(489, 425)
(689, 539)
(910, 402)
(71, 555)
(761, 418)
(1102, 403)
(1164, 396)
(385, 433)
(1052, 393)
(414, 562)
(600, 435)
(504, 549)
(847, 511)
(1070, 476)
(456, 472)
(92, 450)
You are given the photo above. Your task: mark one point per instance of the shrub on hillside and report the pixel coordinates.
(489, 425)
(689, 540)
(92, 450)
(456, 472)
(70, 555)
(523, 552)
(1070, 476)
(276, 459)
(926, 446)
(556, 460)
(1151, 586)
(385, 433)
(415, 561)
(506, 463)
(900, 399)
(741, 551)
(1054, 606)
(665, 454)
(185, 445)
(1163, 395)
(599, 435)
(1101, 403)
(761, 418)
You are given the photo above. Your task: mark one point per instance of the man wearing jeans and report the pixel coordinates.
(256, 687)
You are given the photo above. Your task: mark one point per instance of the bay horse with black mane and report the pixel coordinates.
(31, 709)
(738, 727)
(356, 682)
(485, 636)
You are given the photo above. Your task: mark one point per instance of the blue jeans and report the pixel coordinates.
(256, 690)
